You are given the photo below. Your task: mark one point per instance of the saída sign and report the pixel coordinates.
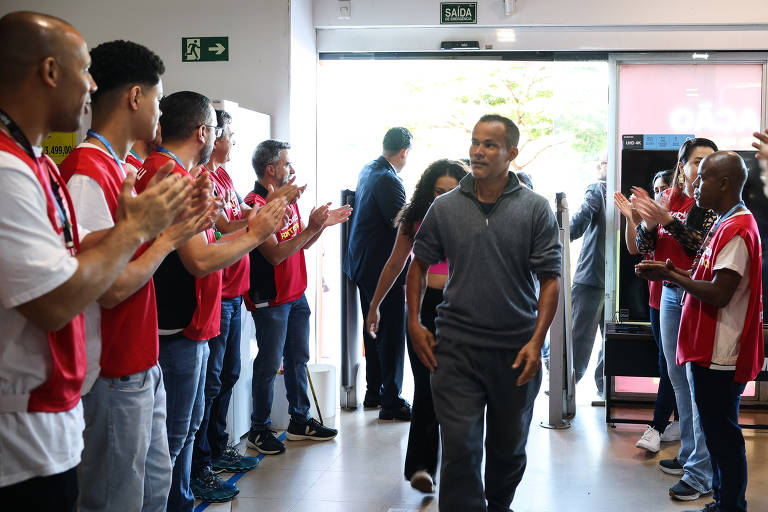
(458, 13)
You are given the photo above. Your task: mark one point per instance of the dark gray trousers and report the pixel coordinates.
(474, 388)
(588, 304)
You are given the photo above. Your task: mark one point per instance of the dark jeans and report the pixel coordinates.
(424, 433)
(665, 397)
(221, 375)
(282, 334)
(55, 493)
(717, 397)
(475, 389)
(588, 305)
(384, 354)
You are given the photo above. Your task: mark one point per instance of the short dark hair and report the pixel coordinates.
(396, 139)
(223, 118)
(512, 131)
(119, 64)
(266, 153)
(182, 113)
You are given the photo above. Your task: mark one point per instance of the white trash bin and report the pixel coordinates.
(324, 380)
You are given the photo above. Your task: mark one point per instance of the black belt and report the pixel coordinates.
(669, 284)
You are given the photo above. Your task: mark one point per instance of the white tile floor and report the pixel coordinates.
(588, 467)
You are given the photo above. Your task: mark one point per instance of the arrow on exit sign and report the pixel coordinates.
(204, 49)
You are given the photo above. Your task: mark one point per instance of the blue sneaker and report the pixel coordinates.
(209, 487)
(232, 461)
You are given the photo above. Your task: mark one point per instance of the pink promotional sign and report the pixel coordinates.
(719, 101)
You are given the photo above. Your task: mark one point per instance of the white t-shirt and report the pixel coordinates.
(33, 262)
(93, 213)
(730, 319)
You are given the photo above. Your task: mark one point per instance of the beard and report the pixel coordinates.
(206, 152)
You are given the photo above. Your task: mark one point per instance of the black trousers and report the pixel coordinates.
(384, 354)
(718, 397)
(424, 433)
(55, 493)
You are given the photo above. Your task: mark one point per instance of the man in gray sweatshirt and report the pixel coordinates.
(496, 234)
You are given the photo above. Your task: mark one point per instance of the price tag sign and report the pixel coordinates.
(59, 145)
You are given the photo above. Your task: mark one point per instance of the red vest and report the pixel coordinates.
(206, 321)
(698, 322)
(61, 391)
(129, 330)
(135, 162)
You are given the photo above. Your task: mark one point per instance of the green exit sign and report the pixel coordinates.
(204, 49)
(458, 13)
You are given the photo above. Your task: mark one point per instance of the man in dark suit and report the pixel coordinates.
(588, 290)
(378, 198)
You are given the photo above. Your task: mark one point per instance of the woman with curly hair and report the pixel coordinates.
(423, 438)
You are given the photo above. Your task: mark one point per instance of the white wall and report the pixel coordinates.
(257, 73)
(548, 25)
(424, 13)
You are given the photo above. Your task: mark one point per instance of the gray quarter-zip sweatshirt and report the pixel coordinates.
(490, 297)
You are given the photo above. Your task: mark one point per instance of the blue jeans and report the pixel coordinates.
(125, 463)
(282, 334)
(183, 362)
(693, 452)
(222, 372)
(718, 396)
(665, 396)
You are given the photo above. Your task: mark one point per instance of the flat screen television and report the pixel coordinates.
(637, 169)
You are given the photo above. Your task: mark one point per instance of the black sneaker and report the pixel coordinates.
(402, 413)
(264, 441)
(709, 507)
(312, 430)
(671, 466)
(372, 400)
(684, 492)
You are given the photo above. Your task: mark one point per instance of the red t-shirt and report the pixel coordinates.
(667, 246)
(129, 342)
(235, 279)
(698, 322)
(290, 276)
(206, 321)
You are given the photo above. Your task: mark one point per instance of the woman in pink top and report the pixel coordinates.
(424, 437)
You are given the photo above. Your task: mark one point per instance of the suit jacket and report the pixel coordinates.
(589, 221)
(379, 197)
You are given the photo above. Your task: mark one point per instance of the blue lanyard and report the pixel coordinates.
(171, 154)
(105, 142)
(727, 214)
(136, 155)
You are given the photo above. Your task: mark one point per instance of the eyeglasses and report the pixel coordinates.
(217, 130)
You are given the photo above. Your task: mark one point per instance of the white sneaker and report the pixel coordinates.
(650, 441)
(422, 481)
(672, 432)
